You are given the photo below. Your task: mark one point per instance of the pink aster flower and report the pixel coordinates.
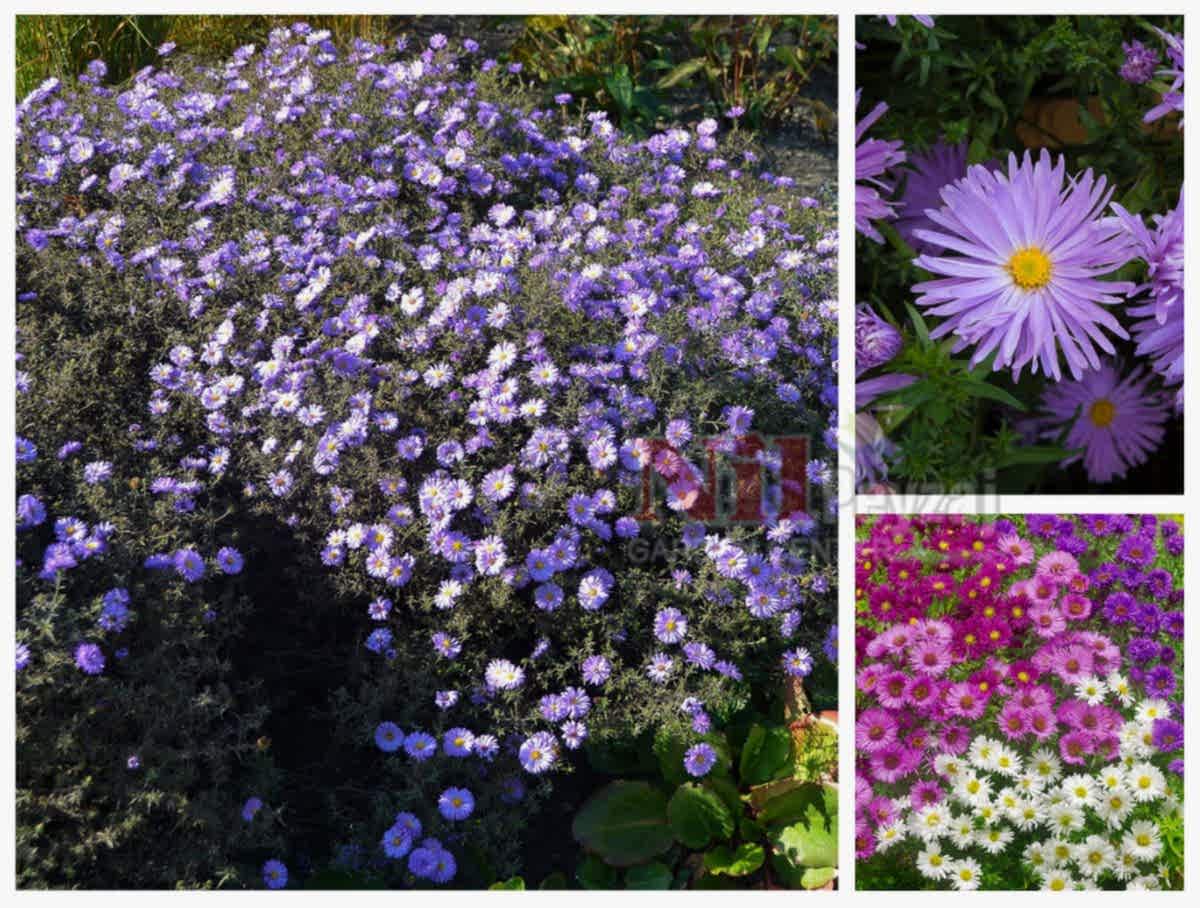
(1060, 565)
(1019, 550)
(1020, 278)
(1047, 619)
(874, 730)
(872, 158)
(1117, 421)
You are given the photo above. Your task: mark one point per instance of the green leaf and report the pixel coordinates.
(741, 861)
(795, 803)
(593, 873)
(681, 73)
(766, 755)
(983, 389)
(513, 884)
(655, 875)
(1033, 455)
(918, 324)
(810, 840)
(556, 880)
(698, 816)
(816, 877)
(625, 823)
(620, 86)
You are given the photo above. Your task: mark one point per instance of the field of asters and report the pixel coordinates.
(343, 374)
(1019, 255)
(1019, 702)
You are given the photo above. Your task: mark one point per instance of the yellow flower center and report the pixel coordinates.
(1030, 268)
(1102, 412)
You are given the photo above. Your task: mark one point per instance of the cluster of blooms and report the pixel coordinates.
(442, 314)
(1022, 257)
(1019, 696)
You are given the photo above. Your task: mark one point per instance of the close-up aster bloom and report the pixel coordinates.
(1020, 276)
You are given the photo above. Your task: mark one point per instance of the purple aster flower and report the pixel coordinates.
(1172, 98)
(596, 670)
(397, 841)
(1160, 681)
(875, 341)
(539, 752)
(230, 560)
(699, 760)
(872, 158)
(798, 662)
(188, 565)
(420, 746)
(23, 656)
(926, 173)
(1140, 62)
(388, 737)
(1020, 276)
(89, 658)
(670, 625)
(252, 806)
(97, 472)
(1116, 421)
(1158, 328)
(456, 804)
(275, 874)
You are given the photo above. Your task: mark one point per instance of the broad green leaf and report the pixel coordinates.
(625, 823)
(655, 875)
(556, 880)
(766, 755)
(515, 884)
(593, 873)
(816, 877)
(698, 816)
(740, 861)
(810, 840)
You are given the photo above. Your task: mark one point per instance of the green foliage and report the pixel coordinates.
(766, 797)
(635, 66)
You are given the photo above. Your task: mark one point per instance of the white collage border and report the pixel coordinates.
(1064, 504)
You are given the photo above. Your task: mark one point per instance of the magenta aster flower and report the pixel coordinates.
(872, 158)
(1116, 421)
(1020, 277)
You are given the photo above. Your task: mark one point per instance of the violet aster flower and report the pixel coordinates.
(1159, 326)
(1116, 420)
(926, 173)
(89, 658)
(1140, 62)
(1172, 98)
(875, 341)
(1020, 278)
(699, 760)
(872, 158)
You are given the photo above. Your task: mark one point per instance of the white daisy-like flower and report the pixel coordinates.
(1095, 856)
(1079, 789)
(1046, 765)
(964, 875)
(1091, 690)
(1118, 686)
(889, 835)
(1149, 710)
(932, 864)
(1146, 782)
(994, 839)
(1143, 841)
(1113, 806)
(1065, 818)
(1058, 880)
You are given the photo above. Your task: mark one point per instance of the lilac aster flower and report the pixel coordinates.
(798, 662)
(670, 625)
(926, 173)
(97, 472)
(539, 752)
(397, 841)
(872, 158)
(1020, 276)
(699, 760)
(252, 806)
(875, 341)
(23, 656)
(230, 560)
(89, 658)
(388, 737)
(596, 670)
(1159, 325)
(1172, 98)
(1140, 62)
(1117, 421)
(420, 746)
(188, 565)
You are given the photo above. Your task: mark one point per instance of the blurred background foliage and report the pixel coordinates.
(637, 68)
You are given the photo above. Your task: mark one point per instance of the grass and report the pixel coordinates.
(63, 45)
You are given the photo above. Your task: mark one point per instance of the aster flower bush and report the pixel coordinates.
(390, 405)
(1020, 220)
(1019, 702)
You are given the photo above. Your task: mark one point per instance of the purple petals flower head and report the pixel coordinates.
(1172, 99)
(539, 752)
(1140, 62)
(875, 341)
(456, 804)
(670, 625)
(1025, 251)
(251, 808)
(89, 658)
(798, 662)
(230, 560)
(388, 737)
(1118, 421)
(188, 565)
(596, 670)
(275, 874)
(699, 760)
(872, 159)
